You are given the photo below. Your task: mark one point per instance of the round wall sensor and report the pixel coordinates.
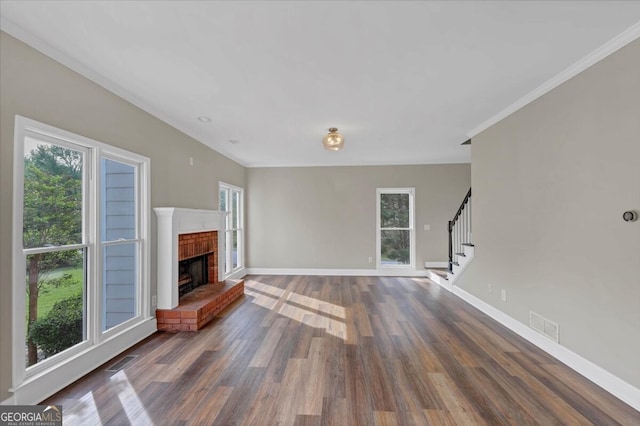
(630, 216)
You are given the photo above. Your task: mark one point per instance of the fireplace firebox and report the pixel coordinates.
(197, 260)
(192, 274)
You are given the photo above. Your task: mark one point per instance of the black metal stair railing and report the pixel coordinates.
(460, 230)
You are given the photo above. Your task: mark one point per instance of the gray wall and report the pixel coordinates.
(37, 87)
(550, 184)
(325, 217)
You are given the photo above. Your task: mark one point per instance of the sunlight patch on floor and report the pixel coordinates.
(315, 304)
(307, 310)
(84, 412)
(128, 397)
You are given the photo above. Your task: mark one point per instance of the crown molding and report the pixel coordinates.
(594, 57)
(62, 58)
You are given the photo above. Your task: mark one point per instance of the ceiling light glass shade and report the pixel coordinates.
(333, 141)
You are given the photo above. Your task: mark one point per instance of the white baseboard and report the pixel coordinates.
(38, 388)
(443, 264)
(601, 377)
(240, 273)
(339, 272)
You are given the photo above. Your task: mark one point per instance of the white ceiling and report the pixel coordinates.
(405, 82)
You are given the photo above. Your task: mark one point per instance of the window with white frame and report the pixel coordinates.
(232, 201)
(395, 237)
(80, 245)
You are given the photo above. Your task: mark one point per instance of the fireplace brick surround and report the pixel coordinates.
(185, 234)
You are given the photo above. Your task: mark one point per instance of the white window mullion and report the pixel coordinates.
(94, 271)
(19, 259)
(240, 248)
(144, 224)
(228, 252)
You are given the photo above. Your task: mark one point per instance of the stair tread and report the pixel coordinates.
(440, 272)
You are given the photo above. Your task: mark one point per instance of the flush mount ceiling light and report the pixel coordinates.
(333, 140)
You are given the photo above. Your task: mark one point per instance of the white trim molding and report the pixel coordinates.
(592, 58)
(239, 274)
(440, 280)
(452, 276)
(335, 272)
(601, 377)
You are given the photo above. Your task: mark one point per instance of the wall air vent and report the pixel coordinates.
(544, 326)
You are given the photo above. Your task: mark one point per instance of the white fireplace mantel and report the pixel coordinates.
(173, 221)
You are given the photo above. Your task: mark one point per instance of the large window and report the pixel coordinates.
(231, 200)
(80, 239)
(395, 223)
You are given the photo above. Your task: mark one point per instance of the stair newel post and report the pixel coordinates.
(450, 226)
(470, 224)
(458, 229)
(468, 216)
(456, 238)
(465, 238)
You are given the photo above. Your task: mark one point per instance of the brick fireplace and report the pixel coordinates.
(191, 285)
(186, 233)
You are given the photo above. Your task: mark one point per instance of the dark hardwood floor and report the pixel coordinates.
(308, 350)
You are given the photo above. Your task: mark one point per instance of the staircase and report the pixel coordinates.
(461, 248)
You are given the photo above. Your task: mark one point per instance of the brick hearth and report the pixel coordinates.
(199, 307)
